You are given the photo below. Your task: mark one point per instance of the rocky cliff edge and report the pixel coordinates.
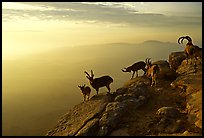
(173, 107)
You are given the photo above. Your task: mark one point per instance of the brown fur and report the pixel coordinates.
(191, 51)
(152, 71)
(135, 67)
(99, 82)
(86, 90)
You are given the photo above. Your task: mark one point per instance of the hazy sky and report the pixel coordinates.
(36, 26)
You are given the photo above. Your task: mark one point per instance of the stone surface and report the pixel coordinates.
(111, 117)
(165, 71)
(79, 115)
(90, 129)
(120, 132)
(168, 112)
(175, 59)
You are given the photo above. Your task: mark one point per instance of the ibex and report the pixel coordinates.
(86, 90)
(190, 50)
(152, 71)
(99, 82)
(135, 67)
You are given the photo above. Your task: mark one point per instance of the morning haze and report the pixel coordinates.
(47, 47)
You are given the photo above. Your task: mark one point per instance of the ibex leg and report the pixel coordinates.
(97, 91)
(133, 74)
(108, 87)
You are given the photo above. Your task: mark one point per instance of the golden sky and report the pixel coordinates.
(30, 27)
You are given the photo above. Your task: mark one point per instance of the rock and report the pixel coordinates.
(187, 133)
(79, 116)
(179, 84)
(190, 83)
(115, 111)
(119, 98)
(139, 90)
(194, 108)
(175, 59)
(165, 71)
(133, 103)
(103, 131)
(120, 132)
(121, 91)
(199, 123)
(112, 115)
(90, 129)
(169, 112)
(186, 69)
(178, 126)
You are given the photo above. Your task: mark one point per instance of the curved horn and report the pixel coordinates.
(92, 73)
(184, 37)
(188, 38)
(148, 60)
(180, 39)
(87, 74)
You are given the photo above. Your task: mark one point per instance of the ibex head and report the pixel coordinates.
(90, 77)
(82, 86)
(148, 63)
(184, 37)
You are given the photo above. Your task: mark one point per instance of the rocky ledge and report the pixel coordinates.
(173, 107)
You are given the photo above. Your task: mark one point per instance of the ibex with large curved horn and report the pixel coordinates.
(152, 71)
(135, 67)
(190, 50)
(99, 82)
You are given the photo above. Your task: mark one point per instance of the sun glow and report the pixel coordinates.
(22, 6)
(36, 27)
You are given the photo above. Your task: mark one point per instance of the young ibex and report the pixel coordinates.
(99, 82)
(86, 90)
(190, 50)
(135, 67)
(152, 71)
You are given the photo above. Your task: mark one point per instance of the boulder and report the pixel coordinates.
(90, 129)
(111, 117)
(175, 59)
(165, 71)
(169, 112)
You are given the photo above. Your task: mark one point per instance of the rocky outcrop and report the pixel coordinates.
(100, 115)
(173, 107)
(165, 71)
(175, 59)
(82, 118)
(189, 82)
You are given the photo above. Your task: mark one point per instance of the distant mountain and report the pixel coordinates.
(150, 48)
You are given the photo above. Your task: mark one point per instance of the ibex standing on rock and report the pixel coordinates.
(86, 90)
(99, 82)
(190, 50)
(135, 67)
(152, 71)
